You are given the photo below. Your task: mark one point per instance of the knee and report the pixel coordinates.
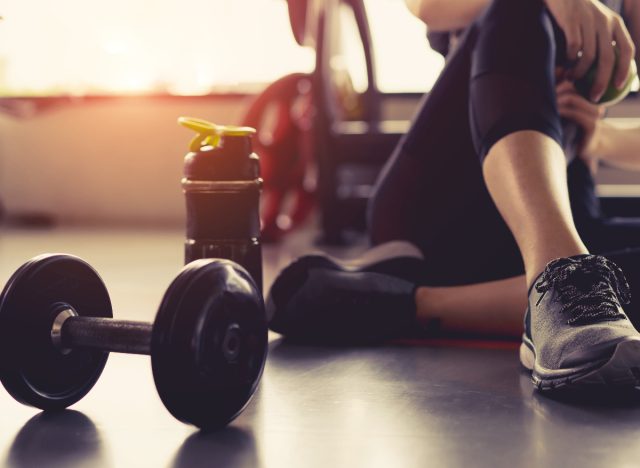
(512, 83)
(518, 13)
(517, 36)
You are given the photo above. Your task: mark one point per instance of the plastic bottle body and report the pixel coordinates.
(222, 187)
(223, 221)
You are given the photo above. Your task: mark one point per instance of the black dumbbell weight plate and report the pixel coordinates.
(209, 343)
(32, 369)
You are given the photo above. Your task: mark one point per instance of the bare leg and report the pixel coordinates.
(525, 173)
(491, 308)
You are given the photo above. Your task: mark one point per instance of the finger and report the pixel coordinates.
(573, 37)
(626, 52)
(565, 87)
(606, 60)
(564, 106)
(560, 74)
(589, 49)
(575, 101)
(578, 117)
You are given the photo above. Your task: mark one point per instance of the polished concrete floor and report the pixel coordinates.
(422, 405)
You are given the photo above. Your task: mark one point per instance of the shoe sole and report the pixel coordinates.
(620, 369)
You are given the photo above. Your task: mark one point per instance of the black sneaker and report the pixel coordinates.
(318, 298)
(576, 332)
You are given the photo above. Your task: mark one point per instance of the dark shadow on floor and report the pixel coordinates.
(612, 410)
(601, 398)
(60, 439)
(231, 447)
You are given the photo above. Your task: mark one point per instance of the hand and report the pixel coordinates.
(591, 29)
(574, 107)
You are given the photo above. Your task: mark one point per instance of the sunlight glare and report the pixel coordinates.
(187, 47)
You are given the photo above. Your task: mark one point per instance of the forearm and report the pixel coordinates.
(618, 145)
(447, 15)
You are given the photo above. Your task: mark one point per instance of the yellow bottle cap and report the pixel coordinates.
(210, 134)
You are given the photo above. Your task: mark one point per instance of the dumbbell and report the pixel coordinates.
(208, 342)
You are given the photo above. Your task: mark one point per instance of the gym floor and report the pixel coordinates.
(394, 406)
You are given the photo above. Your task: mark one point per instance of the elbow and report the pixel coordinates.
(428, 12)
(414, 6)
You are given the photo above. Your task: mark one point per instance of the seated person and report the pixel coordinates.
(487, 208)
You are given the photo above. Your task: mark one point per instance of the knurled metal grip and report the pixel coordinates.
(70, 331)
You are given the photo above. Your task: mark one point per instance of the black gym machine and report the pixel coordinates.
(208, 343)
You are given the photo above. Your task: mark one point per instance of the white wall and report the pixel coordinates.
(103, 161)
(115, 161)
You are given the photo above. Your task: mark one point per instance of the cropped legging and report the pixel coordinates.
(499, 79)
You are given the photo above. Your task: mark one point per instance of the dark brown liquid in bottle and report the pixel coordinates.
(222, 191)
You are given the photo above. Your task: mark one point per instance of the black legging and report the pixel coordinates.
(498, 80)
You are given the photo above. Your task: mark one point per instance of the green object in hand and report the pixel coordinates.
(612, 94)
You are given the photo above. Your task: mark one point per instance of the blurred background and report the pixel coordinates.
(90, 93)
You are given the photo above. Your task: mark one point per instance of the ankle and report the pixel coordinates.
(427, 305)
(536, 265)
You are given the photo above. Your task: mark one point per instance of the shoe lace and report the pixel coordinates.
(591, 288)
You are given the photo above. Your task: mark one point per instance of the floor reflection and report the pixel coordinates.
(597, 427)
(231, 447)
(61, 439)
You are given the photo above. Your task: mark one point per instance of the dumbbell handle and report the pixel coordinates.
(119, 336)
